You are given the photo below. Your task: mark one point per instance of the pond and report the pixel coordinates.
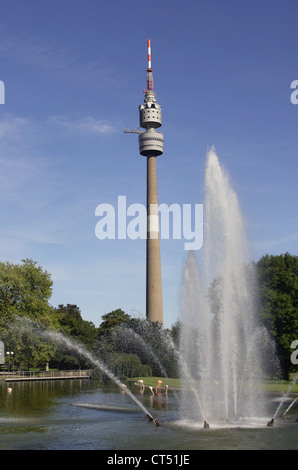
(87, 415)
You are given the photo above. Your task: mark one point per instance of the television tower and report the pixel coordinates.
(150, 146)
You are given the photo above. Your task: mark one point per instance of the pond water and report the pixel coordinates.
(87, 415)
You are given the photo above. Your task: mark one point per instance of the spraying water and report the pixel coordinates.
(285, 396)
(80, 349)
(220, 341)
(290, 406)
(137, 339)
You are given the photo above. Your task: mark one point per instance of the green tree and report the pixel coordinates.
(25, 290)
(175, 332)
(278, 295)
(72, 323)
(129, 365)
(152, 343)
(111, 320)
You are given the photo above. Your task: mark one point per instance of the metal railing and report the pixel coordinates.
(55, 373)
(47, 373)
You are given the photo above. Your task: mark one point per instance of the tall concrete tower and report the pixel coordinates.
(150, 146)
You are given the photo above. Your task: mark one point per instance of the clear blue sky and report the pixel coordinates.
(74, 72)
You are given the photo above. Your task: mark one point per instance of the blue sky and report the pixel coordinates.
(74, 72)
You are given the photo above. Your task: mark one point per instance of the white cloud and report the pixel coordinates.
(20, 164)
(270, 243)
(12, 127)
(51, 57)
(85, 125)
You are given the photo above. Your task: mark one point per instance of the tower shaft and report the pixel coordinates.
(154, 309)
(150, 146)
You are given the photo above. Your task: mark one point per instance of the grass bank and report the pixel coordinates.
(278, 386)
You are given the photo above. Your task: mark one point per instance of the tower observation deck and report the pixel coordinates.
(151, 146)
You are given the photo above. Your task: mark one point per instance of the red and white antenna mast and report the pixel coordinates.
(149, 69)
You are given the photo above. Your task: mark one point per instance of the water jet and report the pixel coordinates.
(80, 349)
(155, 421)
(285, 396)
(220, 346)
(285, 414)
(134, 341)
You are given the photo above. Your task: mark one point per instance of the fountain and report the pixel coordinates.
(221, 352)
(285, 414)
(24, 322)
(220, 339)
(221, 358)
(285, 396)
(135, 342)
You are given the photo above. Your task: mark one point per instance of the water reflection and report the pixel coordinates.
(36, 398)
(42, 415)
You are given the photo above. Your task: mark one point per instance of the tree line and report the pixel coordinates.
(130, 347)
